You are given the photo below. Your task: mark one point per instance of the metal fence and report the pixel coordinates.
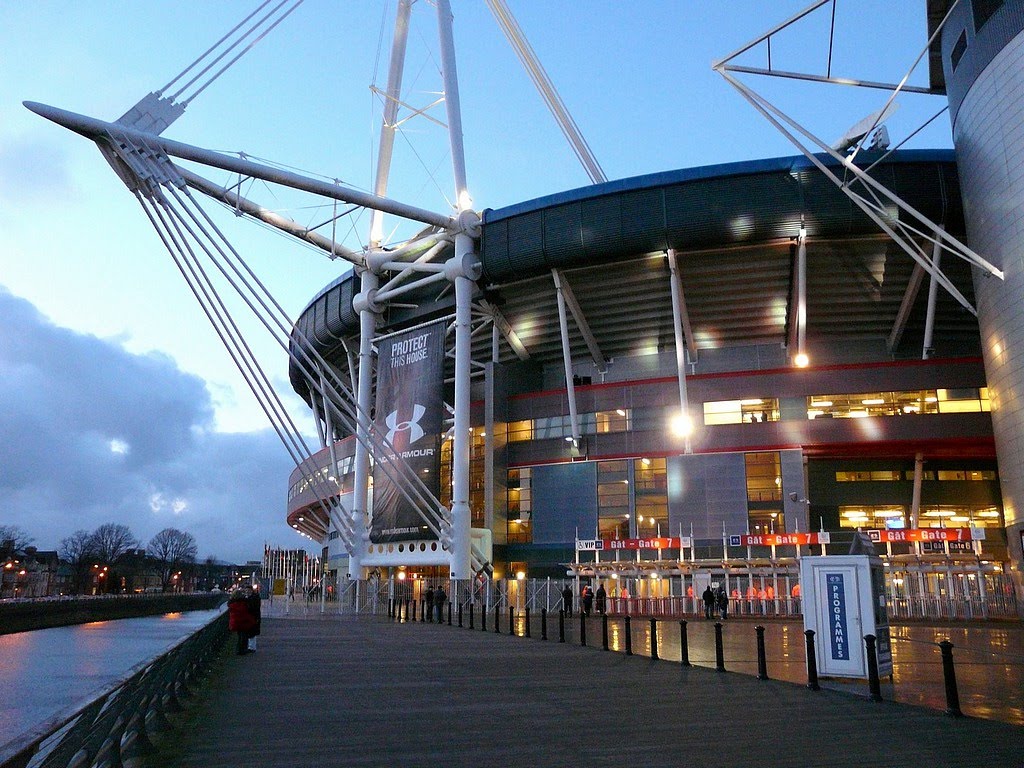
(118, 726)
(936, 596)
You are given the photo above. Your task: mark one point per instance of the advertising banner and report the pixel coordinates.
(409, 415)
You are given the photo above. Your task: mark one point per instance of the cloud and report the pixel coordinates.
(94, 434)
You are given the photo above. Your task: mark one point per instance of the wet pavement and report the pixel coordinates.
(989, 657)
(45, 671)
(352, 690)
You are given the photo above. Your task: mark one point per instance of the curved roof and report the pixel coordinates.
(733, 227)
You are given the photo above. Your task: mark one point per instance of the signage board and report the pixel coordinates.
(601, 545)
(927, 534)
(780, 539)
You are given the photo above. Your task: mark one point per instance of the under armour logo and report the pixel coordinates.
(412, 425)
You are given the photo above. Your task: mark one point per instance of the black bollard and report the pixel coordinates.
(423, 611)
(949, 677)
(719, 649)
(449, 614)
(472, 614)
(684, 647)
(561, 625)
(812, 662)
(414, 610)
(629, 637)
(874, 685)
(604, 630)
(526, 622)
(762, 662)
(391, 608)
(460, 614)
(406, 610)
(583, 630)
(654, 638)
(483, 618)
(497, 620)
(511, 620)
(543, 623)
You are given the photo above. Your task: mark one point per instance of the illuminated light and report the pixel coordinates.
(401, 575)
(821, 404)
(655, 576)
(812, 413)
(778, 482)
(520, 575)
(873, 401)
(301, 519)
(426, 471)
(751, 402)
(626, 482)
(465, 201)
(859, 414)
(911, 409)
(615, 576)
(682, 425)
(646, 462)
(801, 360)
(332, 478)
(960, 519)
(568, 439)
(931, 399)
(620, 412)
(890, 513)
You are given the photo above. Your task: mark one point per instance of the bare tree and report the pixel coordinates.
(172, 549)
(75, 550)
(16, 534)
(107, 544)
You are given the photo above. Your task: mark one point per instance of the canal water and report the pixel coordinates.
(45, 671)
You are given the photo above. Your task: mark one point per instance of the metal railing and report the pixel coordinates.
(118, 727)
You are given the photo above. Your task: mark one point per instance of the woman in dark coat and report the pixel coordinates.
(241, 619)
(255, 608)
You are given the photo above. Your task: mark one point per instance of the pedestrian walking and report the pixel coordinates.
(428, 610)
(602, 598)
(709, 602)
(567, 600)
(255, 610)
(723, 603)
(439, 598)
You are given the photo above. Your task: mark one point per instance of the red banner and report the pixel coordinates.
(783, 539)
(921, 534)
(591, 545)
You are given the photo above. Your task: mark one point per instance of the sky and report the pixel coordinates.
(117, 402)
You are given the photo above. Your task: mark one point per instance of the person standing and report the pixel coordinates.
(723, 603)
(439, 598)
(428, 609)
(602, 598)
(241, 620)
(255, 609)
(588, 600)
(567, 600)
(709, 602)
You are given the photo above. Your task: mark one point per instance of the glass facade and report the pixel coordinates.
(613, 499)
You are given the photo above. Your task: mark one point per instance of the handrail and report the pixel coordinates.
(116, 723)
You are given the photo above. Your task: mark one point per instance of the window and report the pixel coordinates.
(741, 411)
(650, 490)
(950, 516)
(865, 476)
(910, 403)
(959, 49)
(613, 499)
(884, 516)
(519, 431)
(520, 507)
(767, 521)
(983, 11)
(764, 476)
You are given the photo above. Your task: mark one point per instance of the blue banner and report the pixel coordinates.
(839, 632)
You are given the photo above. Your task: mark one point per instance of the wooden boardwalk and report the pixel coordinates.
(365, 691)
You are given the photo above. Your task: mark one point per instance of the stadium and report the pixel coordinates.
(599, 311)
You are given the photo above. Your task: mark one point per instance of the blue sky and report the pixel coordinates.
(82, 269)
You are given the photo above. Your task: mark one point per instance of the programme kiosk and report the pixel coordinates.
(844, 600)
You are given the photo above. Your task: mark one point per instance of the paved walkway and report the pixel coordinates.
(365, 691)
